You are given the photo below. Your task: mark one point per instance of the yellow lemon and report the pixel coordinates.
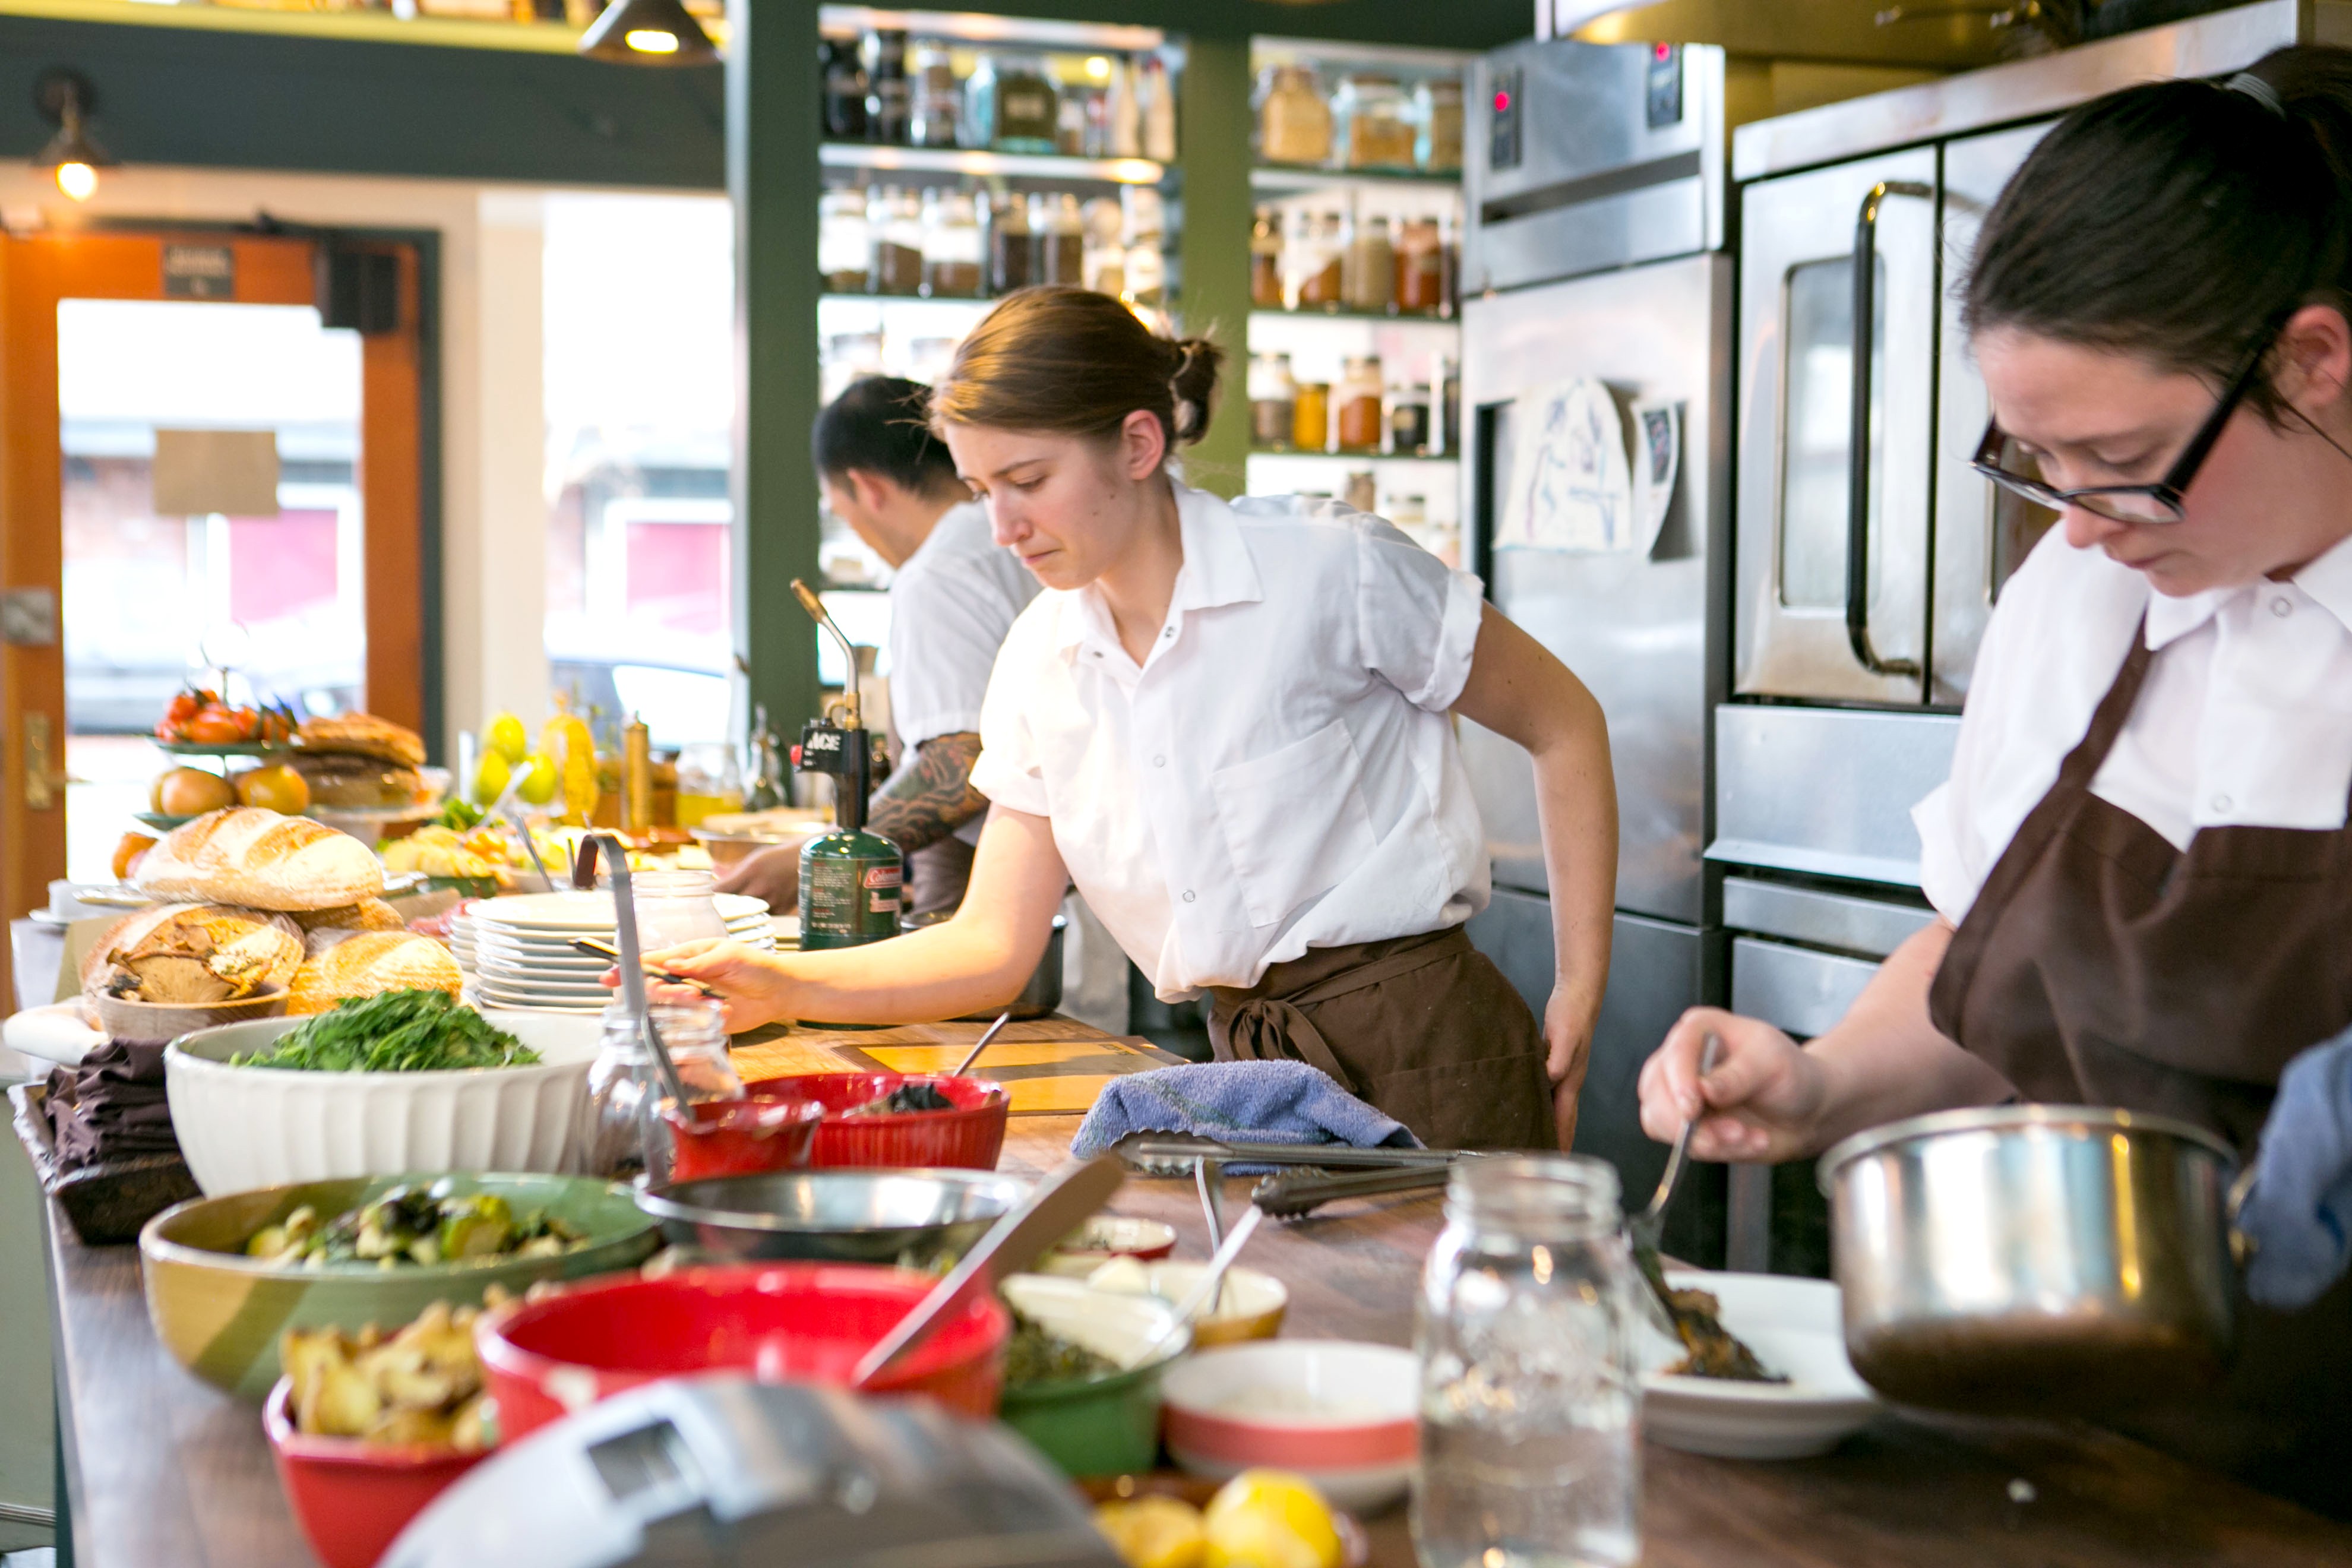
(1270, 1518)
(539, 779)
(505, 739)
(1153, 1531)
(491, 777)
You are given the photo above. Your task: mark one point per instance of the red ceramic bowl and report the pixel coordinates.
(742, 1137)
(970, 1136)
(548, 1358)
(352, 1497)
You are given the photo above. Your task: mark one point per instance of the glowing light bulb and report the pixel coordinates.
(1098, 69)
(76, 180)
(651, 40)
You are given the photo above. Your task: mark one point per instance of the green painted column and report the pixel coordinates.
(1214, 148)
(773, 182)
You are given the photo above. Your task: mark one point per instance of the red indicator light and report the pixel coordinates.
(1502, 102)
(1663, 50)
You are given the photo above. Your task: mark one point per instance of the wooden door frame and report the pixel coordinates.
(398, 478)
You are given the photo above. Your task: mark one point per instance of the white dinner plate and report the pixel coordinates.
(587, 911)
(1796, 1327)
(554, 990)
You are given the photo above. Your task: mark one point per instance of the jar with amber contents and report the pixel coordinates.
(1310, 417)
(1376, 123)
(1265, 260)
(1362, 421)
(1294, 123)
(1437, 107)
(1314, 262)
(1419, 268)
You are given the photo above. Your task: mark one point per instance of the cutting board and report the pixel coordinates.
(1049, 1066)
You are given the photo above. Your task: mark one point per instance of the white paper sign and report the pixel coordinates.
(1657, 460)
(1572, 487)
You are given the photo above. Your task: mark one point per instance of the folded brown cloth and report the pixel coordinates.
(111, 1107)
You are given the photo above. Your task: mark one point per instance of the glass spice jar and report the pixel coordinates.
(1294, 123)
(895, 219)
(1310, 419)
(1368, 273)
(1265, 260)
(1375, 122)
(1530, 1392)
(623, 1134)
(1361, 419)
(1419, 268)
(1274, 400)
(1314, 262)
(954, 267)
(844, 251)
(1408, 420)
(1438, 111)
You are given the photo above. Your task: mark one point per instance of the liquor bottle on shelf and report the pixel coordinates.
(888, 98)
(845, 92)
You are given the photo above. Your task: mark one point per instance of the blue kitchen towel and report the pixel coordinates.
(1241, 1103)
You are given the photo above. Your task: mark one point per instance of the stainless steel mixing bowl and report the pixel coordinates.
(909, 1217)
(2033, 1258)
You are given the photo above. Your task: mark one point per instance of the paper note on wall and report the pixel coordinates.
(1571, 485)
(1657, 462)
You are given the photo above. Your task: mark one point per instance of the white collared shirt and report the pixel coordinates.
(1280, 772)
(952, 603)
(2245, 718)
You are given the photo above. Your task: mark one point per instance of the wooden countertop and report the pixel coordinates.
(165, 1471)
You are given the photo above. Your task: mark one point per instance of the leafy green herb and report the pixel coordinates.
(395, 1031)
(1037, 1355)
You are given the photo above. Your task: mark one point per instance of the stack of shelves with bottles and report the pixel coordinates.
(1355, 345)
(967, 157)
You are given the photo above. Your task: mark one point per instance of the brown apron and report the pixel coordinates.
(1425, 1027)
(2100, 965)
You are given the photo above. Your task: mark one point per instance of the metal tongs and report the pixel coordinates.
(633, 964)
(1301, 1184)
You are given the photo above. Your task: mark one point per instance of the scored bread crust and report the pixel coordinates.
(365, 735)
(168, 924)
(370, 963)
(368, 914)
(247, 856)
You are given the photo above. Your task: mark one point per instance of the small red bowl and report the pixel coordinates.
(549, 1358)
(970, 1136)
(350, 1498)
(740, 1136)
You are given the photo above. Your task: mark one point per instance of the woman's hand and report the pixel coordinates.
(772, 876)
(2300, 1210)
(1568, 1023)
(1759, 1105)
(754, 986)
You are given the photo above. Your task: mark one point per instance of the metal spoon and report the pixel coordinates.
(1209, 1292)
(1062, 1203)
(1645, 1228)
(973, 1055)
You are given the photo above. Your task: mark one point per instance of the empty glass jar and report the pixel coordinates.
(1530, 1399)
(622, 1136)
(1376, 123)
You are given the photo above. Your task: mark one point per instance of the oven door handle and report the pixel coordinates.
(1857, 502)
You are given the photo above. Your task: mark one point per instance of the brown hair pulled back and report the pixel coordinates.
(2176, 219)
(1076, 362)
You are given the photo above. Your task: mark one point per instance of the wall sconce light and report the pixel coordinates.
(66, 98)
(649, 33)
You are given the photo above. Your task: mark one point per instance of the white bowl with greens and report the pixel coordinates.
(376, 1087)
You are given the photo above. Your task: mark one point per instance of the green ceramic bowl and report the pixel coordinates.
(220, 1312)
(1098, 1426)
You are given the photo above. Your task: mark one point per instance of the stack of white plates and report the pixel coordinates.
(518, 951)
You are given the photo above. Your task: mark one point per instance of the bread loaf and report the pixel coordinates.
(368, 914)
(193, 954)
(371, 962)
(259, 859)
(365, 735)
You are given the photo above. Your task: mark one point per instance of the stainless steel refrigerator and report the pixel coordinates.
(1593, 256)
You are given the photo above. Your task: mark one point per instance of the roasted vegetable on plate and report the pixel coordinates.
(414, 1225)
(422, 1384)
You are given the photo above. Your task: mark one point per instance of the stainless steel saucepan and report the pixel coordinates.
(2033, 1258)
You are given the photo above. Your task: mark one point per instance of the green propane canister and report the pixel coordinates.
(851, 879)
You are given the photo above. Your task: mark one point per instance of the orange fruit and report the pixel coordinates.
(275, 788)
(189, 791)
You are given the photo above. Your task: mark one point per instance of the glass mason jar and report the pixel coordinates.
(1012, 248)
(1310, 420)
(675, 907)
(894, 218)
(1531, 1397)
(1313, 261)
(1294, 123)
(954, 255)
(1273, 399)
(1362, 420)
(1011, 104)
(1061, 230)
(710, 774)
(1376, 123)
(1437, 110)
(844, 250)
(1419, 268)
(1265, 260)
(622, 1136)
(1408, 420)
(1368, 273)
(936, 97)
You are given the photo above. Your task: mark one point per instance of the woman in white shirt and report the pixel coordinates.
(1229, 725)
(2141, 858)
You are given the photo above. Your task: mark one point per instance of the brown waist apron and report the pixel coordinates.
(2099, 965)
(1425, 1027)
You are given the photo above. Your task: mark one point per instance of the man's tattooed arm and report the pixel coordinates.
(931, 798)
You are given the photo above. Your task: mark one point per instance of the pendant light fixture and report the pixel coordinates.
(65, 99)
(649, 33)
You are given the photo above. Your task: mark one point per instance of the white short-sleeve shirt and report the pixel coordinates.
(952, 603)
(1280, 772)
(2245, 718)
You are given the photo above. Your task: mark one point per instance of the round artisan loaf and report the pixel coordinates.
(371, 962)
(265, 861)
(247, 950)
(368, 914)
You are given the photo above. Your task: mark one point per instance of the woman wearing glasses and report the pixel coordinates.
(2141, 859)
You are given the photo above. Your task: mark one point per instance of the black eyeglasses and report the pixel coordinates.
(2159, 502)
